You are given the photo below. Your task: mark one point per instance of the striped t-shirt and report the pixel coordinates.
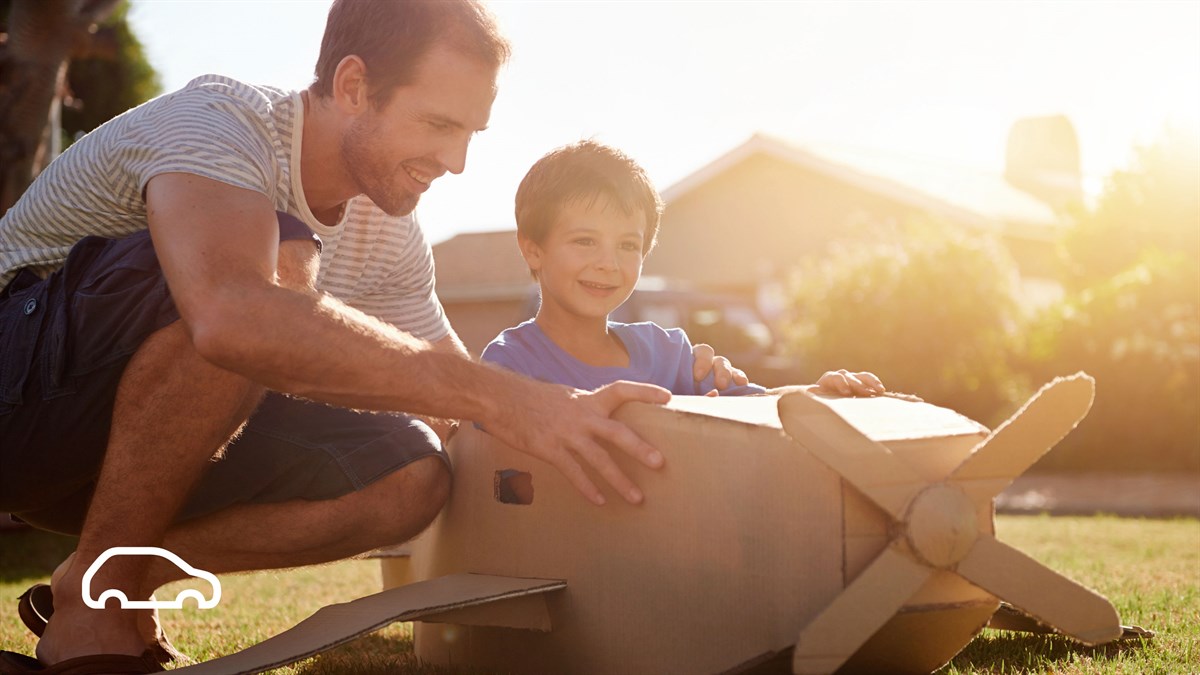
(243, 135)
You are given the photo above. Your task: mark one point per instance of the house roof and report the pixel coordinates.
(481, 266)
(487, 265)
(979, 198)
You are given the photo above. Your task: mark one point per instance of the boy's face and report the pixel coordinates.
(589, 261)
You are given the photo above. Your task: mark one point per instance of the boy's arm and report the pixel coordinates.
(218, 246)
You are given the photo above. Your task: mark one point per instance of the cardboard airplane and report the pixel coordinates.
(840, 534)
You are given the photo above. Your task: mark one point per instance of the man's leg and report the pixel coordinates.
(149, 463)
(172, 413)
(391, 510)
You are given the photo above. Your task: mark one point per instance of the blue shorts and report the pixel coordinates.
(64, 344)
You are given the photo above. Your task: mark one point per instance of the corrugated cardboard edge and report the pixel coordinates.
(337, 624)
(883, 419)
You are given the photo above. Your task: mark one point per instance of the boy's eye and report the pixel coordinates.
(585, 241)
(631, 246)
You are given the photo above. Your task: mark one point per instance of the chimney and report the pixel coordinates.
(1043, 160)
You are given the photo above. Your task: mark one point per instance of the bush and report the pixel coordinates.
(929, 308)
(1132, 318)
(932, 312)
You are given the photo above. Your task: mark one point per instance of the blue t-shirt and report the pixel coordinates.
(657, 355)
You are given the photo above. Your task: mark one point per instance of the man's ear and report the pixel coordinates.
(530, 251)
(350, 85)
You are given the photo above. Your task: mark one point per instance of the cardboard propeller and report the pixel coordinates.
(935, 525)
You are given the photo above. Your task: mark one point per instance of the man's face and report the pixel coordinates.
(394, 152)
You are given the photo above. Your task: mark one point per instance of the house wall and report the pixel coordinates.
(761, 214)
(752, 221)
(764, 215)
(478, 322)
(483, 284)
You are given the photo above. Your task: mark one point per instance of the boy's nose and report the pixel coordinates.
(607, 260)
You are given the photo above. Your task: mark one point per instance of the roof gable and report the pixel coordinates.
(968, 196)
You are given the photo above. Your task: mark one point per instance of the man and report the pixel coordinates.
(131, 360)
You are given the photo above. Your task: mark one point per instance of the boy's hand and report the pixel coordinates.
(724, 374)
(566, 427)
(850, 384)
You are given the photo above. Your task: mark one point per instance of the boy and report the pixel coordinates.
(587, 216)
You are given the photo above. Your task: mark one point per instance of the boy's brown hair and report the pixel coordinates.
(585, 172)
(391, 37)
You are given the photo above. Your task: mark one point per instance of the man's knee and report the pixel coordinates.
(299, 261)
(408, 500)
(299, 254)
(430, 488)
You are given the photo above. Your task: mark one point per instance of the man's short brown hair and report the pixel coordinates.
(391, 36)
(585, 172)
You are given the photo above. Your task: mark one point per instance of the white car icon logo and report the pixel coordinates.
(126, 603)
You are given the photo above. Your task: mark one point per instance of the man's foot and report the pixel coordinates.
(148, 624)
(74, 629)
(159, 646)
(36, 606)
(77, 630)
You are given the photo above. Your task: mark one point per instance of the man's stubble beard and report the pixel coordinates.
(372, 174)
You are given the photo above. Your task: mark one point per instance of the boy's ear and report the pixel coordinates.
(531, 252)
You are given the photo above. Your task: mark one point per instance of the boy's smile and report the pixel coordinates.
(598, 290)
(589, 261)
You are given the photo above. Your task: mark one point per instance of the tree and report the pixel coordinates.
(1131, 317)
(929, 308)
(40, 40)
(110, 78)
(1151, 206)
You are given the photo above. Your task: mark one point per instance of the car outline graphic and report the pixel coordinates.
(126, 603)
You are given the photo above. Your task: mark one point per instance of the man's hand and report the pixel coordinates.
(569, 428)
(724, 374)
(850, 384)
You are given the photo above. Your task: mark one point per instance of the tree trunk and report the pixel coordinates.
(33, 65)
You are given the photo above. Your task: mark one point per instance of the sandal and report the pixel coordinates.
(12, 663)
(36, 605)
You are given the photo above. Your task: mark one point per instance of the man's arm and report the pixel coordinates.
(449, 344)
(218, 246)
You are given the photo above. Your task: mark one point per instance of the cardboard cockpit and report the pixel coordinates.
(817, 532)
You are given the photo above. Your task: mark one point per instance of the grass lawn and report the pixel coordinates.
(1150, 569)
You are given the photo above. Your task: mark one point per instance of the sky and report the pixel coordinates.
(676, 84)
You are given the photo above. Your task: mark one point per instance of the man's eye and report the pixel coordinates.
(584, 241)
(440, 126)
(631, 246)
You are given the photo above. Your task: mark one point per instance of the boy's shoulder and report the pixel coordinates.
(652, 338)
(518, 339)
(648, 330)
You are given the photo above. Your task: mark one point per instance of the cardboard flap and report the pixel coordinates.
(337, 624)
(887, 418)
(751, 410)
(528, 612)
(879, 418)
